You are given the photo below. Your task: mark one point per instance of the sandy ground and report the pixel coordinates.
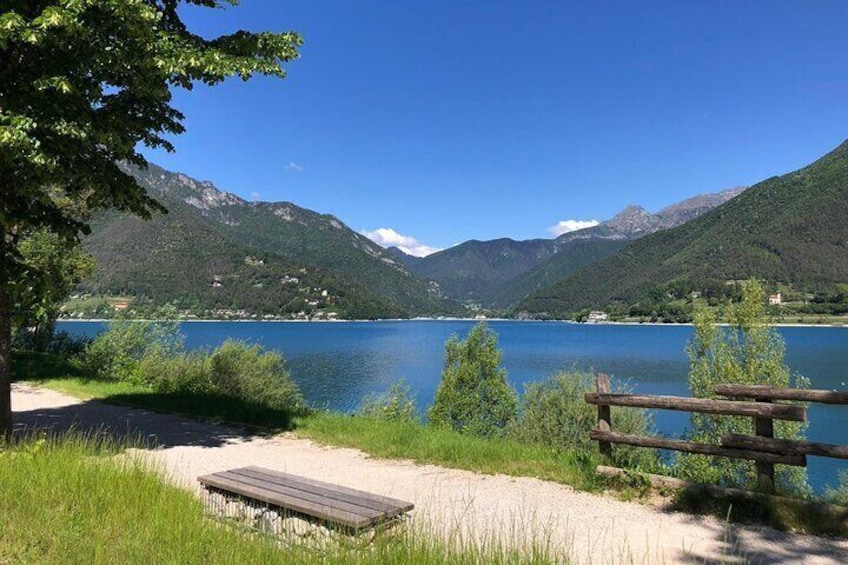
(590, 528)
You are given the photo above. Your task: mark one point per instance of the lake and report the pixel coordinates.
(337, 364)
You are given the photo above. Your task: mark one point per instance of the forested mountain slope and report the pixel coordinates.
(209, 231)
(791, 229)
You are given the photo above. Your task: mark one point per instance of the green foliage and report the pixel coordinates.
(395, 405)
(84, 85)
(750, 352)
(838, 494)
(118, 353)
(151, 354)
(260, 377)
(54, 266)
(474, 396)
(555, 414)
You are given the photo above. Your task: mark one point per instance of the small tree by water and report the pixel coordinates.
(749, 352)
(474, 396)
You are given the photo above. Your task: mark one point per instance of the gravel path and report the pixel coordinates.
(591, 528)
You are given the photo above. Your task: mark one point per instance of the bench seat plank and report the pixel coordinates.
(326, 501)
(298, 505)
(338, 492)
(294, 492)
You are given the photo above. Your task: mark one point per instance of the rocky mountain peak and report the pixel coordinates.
(633, 220)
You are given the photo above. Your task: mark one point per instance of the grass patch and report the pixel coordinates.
(72, 501)
(409, 440)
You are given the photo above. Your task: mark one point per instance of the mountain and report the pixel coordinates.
(209, 233)
(499, 273)
(790, 229)
(178, 258)
(474, 271)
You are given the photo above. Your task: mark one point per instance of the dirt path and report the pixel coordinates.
(591, 528)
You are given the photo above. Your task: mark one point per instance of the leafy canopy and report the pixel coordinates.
(474, 396)
(84, 82)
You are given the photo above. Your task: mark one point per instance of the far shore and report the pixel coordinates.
(383, 320)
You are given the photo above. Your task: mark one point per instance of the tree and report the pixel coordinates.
(474, 396)
(57, 266)
(84, 83)
(748, 352)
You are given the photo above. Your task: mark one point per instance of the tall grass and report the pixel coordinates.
(75, 500)
(440, 446)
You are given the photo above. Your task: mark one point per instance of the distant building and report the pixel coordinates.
(775, 299)
(121, 305)
(597, 317)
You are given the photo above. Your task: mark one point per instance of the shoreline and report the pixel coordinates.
(473, 320)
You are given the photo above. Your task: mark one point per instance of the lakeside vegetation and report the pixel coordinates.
(542, 433)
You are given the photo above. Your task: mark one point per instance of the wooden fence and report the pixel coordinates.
(755, 401)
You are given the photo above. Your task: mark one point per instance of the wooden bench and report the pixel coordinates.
(351, 508)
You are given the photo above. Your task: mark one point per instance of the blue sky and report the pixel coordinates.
(445, 121)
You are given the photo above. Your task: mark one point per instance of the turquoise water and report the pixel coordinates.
(336, 364)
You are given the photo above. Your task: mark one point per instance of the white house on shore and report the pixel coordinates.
(597, 317)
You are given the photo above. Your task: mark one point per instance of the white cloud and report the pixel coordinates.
(387, 237)
(292, 166)
(566, 226)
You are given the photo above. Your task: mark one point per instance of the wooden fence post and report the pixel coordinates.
(764, 427)
(602, 383)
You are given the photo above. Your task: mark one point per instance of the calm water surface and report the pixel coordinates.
(337, 364)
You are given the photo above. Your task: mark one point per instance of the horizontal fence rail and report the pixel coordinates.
(787, 446)
(702, 405)
(701, 448)
(765, 392)
(754, 401)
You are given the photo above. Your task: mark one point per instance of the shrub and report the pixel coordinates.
(152, 354)
(474, 396)
(117, 353)
(749, 352)
(396, 405)
(555, 414)
(838, 494)
(185, 373)
(68, 346)
(244, 371)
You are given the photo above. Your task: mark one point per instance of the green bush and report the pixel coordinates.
(244, 371)
(555, 414)
(117, 353)
(184, 373)
(749, 352)
(474, 396)
(838, 494)
(152, 354)
(395, 405)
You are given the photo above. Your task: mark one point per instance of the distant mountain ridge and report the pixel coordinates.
(281, 232)
(790, 229)
(500, 272)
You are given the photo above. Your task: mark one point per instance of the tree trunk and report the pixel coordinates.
(5, 365)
